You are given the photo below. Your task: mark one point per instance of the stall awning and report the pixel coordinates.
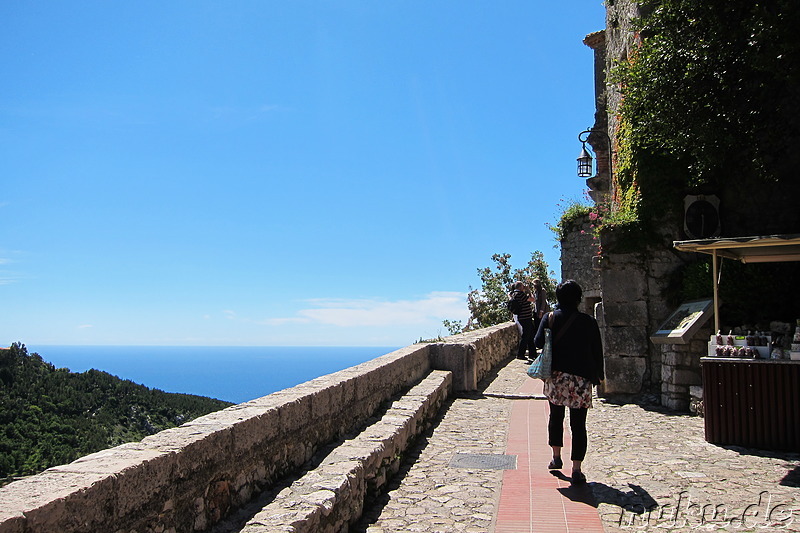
(761, 249)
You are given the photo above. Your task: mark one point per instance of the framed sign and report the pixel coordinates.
(682, 324)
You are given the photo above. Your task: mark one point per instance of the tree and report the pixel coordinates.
(51, 416)
(487, 305)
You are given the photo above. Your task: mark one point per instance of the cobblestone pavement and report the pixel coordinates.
(430, 496)
(649, 470)
(653, 470)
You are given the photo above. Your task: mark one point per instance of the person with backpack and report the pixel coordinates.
(519, 303)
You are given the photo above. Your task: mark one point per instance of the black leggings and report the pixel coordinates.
(577, 424)
(526, 340)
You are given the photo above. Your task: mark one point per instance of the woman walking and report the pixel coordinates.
(577, 365)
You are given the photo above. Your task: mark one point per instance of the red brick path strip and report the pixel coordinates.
(533, 499)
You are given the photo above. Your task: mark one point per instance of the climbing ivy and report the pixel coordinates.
(711, 92)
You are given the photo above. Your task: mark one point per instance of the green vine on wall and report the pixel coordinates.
(710, 91)
(710, 104)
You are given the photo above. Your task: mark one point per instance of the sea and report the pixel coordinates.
(231, 373)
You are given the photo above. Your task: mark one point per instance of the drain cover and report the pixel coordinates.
(484, 460)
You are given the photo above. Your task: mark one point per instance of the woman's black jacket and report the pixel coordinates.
(579, 350)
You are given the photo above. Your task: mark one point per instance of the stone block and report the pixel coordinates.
(63, 493)
(675, 403)
(655, 371)
(256, 431)
(624, 375)
(677, 358)
(687, 377)
(460, 359)
(139, 477)
(674, 388)
(623, 285)
(625, 341)
(326, 401)
(662, 267)
(12, 522)
(629, 314)
(215, 447)
(295, 413)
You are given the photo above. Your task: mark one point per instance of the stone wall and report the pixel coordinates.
(681, 370)
(472, 355)
(620, 40)
(188, 478)
(634, 305)
(579, 255)
(625, 293)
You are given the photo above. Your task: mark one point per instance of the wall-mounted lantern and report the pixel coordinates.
(585, 158)
(584, 163)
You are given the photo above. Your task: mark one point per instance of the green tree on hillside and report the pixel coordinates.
(51, 416)
(487, 305)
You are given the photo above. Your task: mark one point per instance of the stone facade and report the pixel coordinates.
(579, 256)
(624, 291)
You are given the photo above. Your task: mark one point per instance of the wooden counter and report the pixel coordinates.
(753, 403)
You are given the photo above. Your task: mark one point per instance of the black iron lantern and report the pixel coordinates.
(584, 163)
(585, 159)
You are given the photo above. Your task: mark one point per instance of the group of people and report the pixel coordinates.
(531, 306)
(577, 362)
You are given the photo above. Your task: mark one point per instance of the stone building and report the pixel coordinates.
(625, 286)
(622, 288)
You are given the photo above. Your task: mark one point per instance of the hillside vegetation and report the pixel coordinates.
(51, 416)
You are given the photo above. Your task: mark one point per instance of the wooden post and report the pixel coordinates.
(716, 290)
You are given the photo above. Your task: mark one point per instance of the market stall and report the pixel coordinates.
(751, 383)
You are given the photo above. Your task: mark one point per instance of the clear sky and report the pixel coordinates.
(278, 172)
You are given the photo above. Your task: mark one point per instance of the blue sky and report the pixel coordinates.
(278, 173)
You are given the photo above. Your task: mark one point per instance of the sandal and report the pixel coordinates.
(578, 478)
(555, 464)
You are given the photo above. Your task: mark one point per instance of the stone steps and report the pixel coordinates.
(330, 497)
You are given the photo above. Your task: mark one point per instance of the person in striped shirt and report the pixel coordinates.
(524, 318)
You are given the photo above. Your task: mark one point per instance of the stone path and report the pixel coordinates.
(428, 494)
(653, 470)
(648, 470)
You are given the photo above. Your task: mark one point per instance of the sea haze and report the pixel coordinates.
(231, 373)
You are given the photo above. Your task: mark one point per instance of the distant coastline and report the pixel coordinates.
(231, 373)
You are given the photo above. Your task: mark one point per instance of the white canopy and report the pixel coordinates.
(759, 249)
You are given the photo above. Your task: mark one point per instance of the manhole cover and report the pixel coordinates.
(484, 460)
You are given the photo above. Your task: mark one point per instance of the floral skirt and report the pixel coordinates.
(568, 390)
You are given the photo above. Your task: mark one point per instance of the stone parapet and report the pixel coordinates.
(190, 477)
(331, 496)
(472, 355)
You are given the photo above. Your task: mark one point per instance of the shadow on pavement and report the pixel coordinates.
(792, 479)
(577, 493)
(637, 500)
